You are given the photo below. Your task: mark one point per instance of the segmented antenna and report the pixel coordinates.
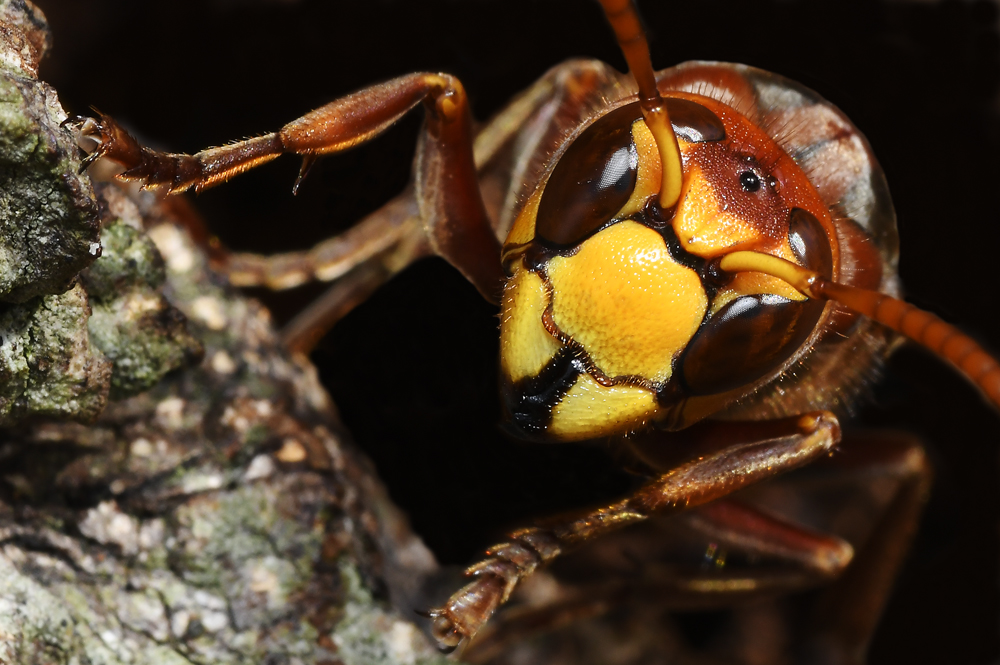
(624, 20)
(943, 339)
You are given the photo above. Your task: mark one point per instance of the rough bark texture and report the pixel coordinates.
(210, 510)
(48, 229)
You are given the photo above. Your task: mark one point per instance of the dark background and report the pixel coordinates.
(414, 369)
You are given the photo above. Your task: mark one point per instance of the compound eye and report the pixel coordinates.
(753, 335)
(809, 242)
(592, 181)
(746, 340)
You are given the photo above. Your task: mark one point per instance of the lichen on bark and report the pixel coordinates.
(209, 509)
(48, 223)
(68, 345)
(131, 322)
(48, 365)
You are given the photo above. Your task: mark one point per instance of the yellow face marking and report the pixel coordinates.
(523, 228)
(626, 301)
(754, 283)
(706, 228)
(591, 410)
(525, 345)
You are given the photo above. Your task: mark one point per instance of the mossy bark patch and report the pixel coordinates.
(133, 324)
(215, 512)
(48, 366)
(48, 215)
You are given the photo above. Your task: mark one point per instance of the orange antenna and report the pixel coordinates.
(943, 339)
(631, 38)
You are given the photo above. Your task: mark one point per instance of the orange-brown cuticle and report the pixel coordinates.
(740, 193)
(467, 610)
(446, 633)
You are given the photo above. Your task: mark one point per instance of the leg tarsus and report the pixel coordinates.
(447, 185)
(708, 477)
(175, 172)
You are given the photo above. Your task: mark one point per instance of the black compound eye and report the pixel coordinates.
(746, 340)
(597, 174)
(809, 242)
(592, 181)
(750, 181)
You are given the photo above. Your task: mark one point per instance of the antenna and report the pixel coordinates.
(624, 20)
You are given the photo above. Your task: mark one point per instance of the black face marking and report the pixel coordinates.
(529, 402)
(749, 181)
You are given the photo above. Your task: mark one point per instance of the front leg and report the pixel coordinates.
(707, 476)
(450, 203)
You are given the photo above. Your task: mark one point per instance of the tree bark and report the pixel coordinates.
(175, 487)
